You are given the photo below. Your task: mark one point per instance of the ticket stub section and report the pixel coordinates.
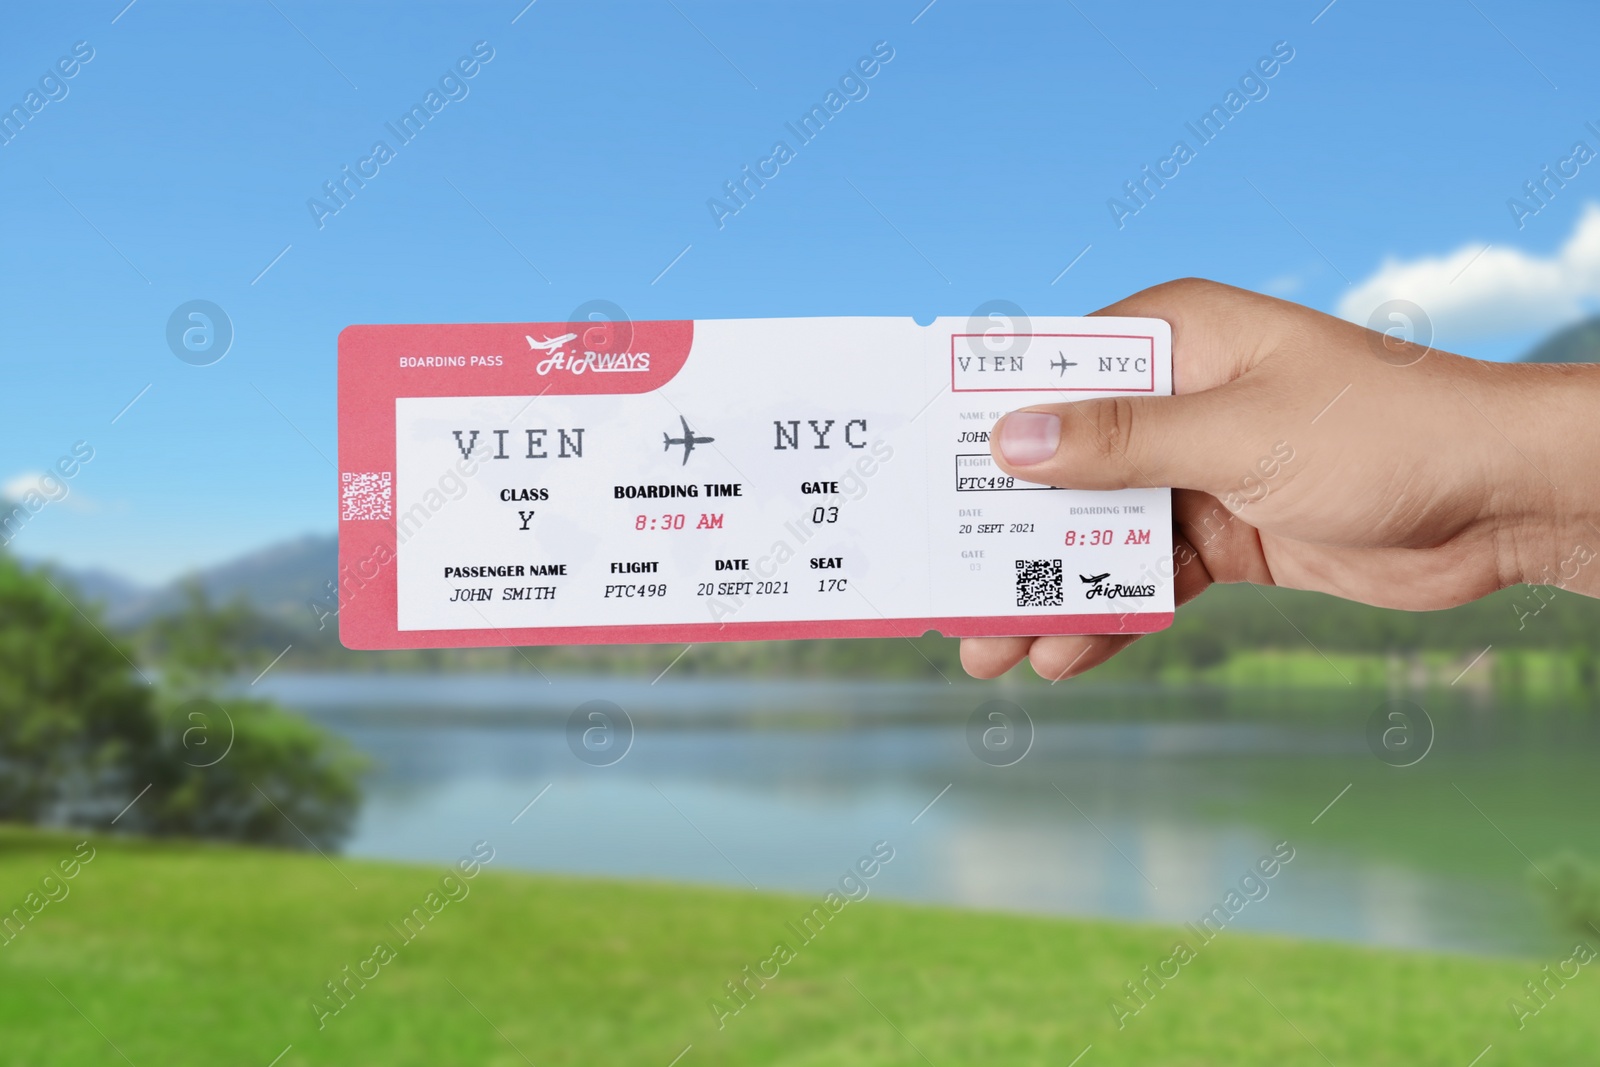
(1003, 546)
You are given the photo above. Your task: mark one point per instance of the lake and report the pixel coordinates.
(1130, 803)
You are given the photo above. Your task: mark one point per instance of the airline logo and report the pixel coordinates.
(558, 358)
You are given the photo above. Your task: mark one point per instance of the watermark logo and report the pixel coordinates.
(853, 885)
(1253, 86)
(199, 332)
(1000, 733)
(452, 87)
(51, 889)
(52, 87)
(1544, 188)
(603, 343)
(998, 329)
(209, 736)
(599, 733)
(1402, 333)
(740, 191)
(1399, 733)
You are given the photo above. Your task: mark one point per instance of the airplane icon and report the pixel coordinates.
(1096, 578)
(1061, 364)
(550, 344)
(688, 440)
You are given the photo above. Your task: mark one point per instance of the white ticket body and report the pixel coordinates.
(561, 483)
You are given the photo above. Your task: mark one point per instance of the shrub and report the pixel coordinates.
(74, 713)
(1575, 900)
(83, 731)
(246, 770)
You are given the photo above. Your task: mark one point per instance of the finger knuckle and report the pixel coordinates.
(1112, 421)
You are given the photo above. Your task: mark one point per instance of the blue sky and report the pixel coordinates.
(578, 165)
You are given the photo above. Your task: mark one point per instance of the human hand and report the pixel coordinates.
(1310, 453)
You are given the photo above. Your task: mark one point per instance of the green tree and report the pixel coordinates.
(83, 731)
(246, 770)
(75, 715)
(1574, 896)
(203, 644)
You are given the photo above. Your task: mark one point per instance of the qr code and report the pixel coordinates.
(366, 495)
(1039, 583)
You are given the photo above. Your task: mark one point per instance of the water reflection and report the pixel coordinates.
(1151, 812)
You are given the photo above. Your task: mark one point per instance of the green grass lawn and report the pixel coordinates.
(188, 954)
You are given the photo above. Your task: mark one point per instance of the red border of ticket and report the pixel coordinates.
(372, 378)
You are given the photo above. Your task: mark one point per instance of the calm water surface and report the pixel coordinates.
(1130, 804)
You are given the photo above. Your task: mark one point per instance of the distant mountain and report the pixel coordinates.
(1578, 343)
(278, 581)
(111, 592)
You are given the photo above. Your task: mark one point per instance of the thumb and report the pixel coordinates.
(1193, 441)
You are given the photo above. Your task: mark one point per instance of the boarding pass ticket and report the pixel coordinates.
(600, 482)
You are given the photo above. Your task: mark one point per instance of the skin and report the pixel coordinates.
(1311, 453)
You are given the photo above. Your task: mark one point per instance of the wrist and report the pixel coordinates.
(1547, 483)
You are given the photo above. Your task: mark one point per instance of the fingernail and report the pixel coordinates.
(1029, 437)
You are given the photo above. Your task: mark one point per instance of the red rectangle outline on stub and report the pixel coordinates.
(1054, 388)
(369, 383)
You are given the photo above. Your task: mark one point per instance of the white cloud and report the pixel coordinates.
(1472, 293)
(51, 488)
(16, 488)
